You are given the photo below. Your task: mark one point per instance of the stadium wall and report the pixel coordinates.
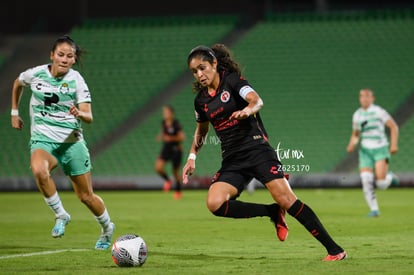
(46, 16)
(329, 180)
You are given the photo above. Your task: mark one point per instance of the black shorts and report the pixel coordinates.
(260, 162)
(173, 154)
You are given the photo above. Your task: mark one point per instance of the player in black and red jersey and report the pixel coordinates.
(227, 101)
(172, 136)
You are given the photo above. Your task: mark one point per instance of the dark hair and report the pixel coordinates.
(67, 39)
(203, 52)
(225, 61)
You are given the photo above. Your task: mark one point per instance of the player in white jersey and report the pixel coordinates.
(60, 101)
(368, 129)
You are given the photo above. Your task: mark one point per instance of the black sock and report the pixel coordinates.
(164, 176)
(177, 186)
(310, 221)
(238, 209)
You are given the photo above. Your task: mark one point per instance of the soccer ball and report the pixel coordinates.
(129, 250)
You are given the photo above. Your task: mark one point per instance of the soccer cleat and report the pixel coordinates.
(167, 186)
(338, 257)
(104, 241)
(373, 214)
(60, 223)
(395, 180)
(279, 220)
(177, 195)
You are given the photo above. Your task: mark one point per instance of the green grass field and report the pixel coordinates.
(184, 238)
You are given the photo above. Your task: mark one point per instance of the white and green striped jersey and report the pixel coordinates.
(50, 102)
(371, 125)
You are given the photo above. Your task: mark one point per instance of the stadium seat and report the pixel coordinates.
(307, 68)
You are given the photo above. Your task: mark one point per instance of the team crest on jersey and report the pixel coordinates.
(64, 88)
(225, 96)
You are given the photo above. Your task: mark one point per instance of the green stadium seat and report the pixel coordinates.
(307, 68)
(309, 72)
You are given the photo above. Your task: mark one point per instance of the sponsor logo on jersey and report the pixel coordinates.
(216, 112)
(225, 96)
(273, 170)
(41, 85)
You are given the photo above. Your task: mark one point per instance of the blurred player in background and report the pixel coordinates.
(60, 101)
(172, 136)
(251, 186)
(368, 129)
(227, 101)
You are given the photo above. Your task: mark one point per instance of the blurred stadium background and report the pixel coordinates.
(307, 59)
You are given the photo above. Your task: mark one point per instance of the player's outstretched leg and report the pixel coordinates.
(239, 210)
(305, 215)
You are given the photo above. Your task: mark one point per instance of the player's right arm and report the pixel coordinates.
(198, 141)
(353, 141)
(17, 92)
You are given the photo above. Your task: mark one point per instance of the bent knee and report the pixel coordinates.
(286, 200)
(40, 173)
(87, 198)
(213, 204)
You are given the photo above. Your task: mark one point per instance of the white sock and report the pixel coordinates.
(104, 220)
(389, 177)
(56, 205)
(367, 179)
(384, 183)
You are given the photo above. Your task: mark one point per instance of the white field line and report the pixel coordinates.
(42, 253)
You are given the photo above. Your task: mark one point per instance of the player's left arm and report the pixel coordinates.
(255, 104)
(83, 112)
(394, 131)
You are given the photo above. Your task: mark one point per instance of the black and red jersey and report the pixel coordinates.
(171, 130)
(235, 135)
